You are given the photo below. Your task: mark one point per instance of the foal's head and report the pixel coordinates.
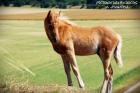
(51, 25)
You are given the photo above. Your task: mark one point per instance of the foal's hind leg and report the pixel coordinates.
(105, 56)
(109, 85)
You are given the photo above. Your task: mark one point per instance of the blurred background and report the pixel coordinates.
(95, 4)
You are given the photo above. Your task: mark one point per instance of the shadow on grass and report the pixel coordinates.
(125, 81)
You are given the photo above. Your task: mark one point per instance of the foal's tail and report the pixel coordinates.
(117, 52)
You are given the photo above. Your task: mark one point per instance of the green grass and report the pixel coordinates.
(24, 44)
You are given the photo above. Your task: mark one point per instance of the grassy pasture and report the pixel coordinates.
(26, 55)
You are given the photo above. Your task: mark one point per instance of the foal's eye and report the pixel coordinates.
(51, 27)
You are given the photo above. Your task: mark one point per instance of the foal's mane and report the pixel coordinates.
(66, 19)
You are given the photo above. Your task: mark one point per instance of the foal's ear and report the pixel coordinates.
(49, 13)
(59, 13)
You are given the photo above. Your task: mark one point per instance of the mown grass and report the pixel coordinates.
(27, 56)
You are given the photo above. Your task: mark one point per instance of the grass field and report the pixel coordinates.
(26, 55)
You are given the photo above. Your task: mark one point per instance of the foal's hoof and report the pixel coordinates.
(82, 87)
(70, 84)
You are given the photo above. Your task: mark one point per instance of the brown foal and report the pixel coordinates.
(69, 40)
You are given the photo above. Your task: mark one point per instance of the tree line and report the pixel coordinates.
(70, 3)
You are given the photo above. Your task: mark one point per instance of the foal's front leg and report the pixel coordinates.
(67, 69)
(75, 68)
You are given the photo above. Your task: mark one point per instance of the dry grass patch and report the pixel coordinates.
(16, 88)
(76, 14)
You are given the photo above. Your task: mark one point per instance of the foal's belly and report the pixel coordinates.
(85, 50)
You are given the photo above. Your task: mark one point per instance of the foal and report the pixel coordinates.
(69, 40)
